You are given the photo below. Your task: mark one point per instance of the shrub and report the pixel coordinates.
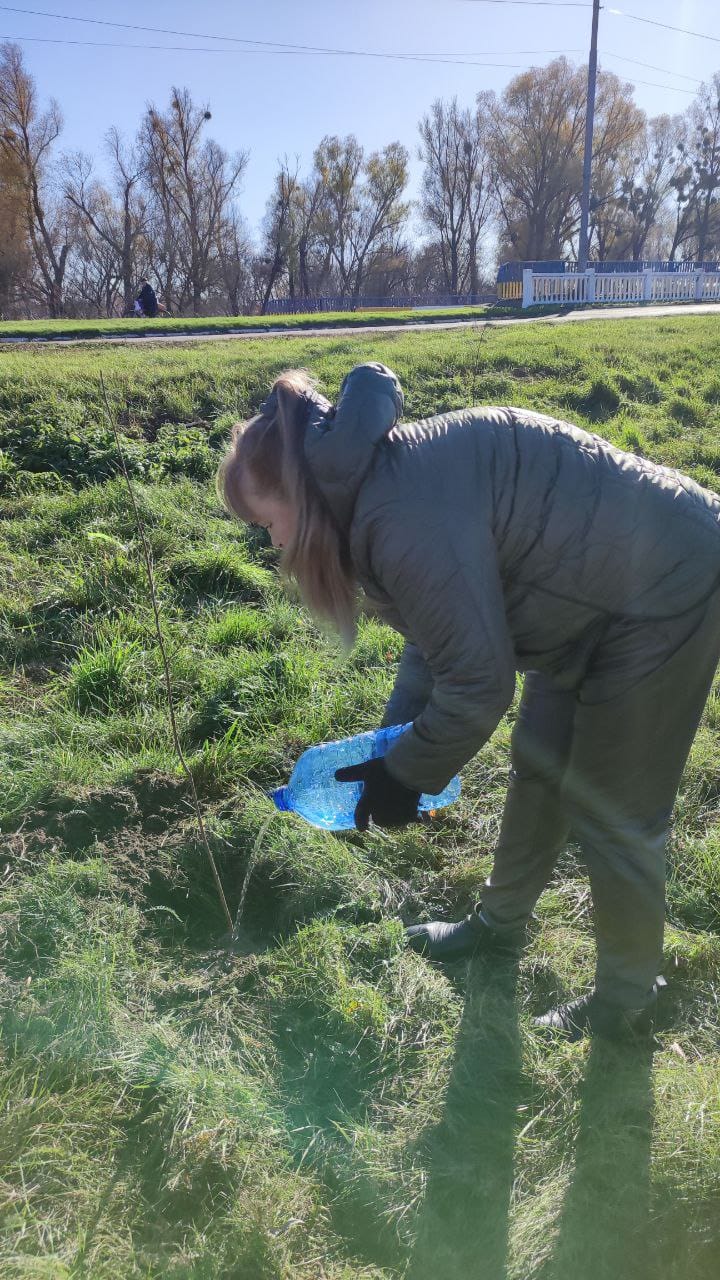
(315, 973)
(183, 451)
(708, 478)
(111, 578)
(261, 690)
(692, 456)
(694, 883)
(230, 697)
(47, 915)
(83, 455)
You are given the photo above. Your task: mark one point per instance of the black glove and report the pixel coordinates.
(388, 802)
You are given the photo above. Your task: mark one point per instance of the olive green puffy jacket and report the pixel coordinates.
(498, 540)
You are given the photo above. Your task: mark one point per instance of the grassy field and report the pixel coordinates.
(15, 331)
(131, 327)
(321, 1104)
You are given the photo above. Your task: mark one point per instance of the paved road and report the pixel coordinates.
(569, 317)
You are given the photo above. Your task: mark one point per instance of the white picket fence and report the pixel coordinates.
(582, 287)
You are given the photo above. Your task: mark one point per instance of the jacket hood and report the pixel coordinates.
(340, 443)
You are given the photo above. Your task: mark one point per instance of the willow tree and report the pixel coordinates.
(362, 210)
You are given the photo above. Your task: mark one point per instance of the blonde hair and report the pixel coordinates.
(267, 457)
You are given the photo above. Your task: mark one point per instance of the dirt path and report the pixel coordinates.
(325, 331)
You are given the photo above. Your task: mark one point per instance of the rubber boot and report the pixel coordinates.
(442, 941)
(593, 1016)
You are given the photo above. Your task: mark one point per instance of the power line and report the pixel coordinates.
(133, 26)
(653, 22)
(454, 60)
(540, 4)
(201, 35)
(651, 67)
(280, 46)
(287, 48)
(673, 88)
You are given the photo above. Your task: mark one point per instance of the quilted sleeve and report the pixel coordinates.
(445, 583)
(412, 688)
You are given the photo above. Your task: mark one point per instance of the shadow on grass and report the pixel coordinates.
(602, 1231)
(463, 1225)
(604, 1226)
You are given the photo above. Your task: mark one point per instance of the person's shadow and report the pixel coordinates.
(604, 1225)
(463, 1224)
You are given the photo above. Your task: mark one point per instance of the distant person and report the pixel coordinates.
(147, 301)
(499, 540)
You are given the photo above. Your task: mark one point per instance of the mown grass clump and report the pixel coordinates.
(598, 401)
(100, 679)
(214, 571)
(239, 628)
(640, 386)
(687, 410)
(319, 1101)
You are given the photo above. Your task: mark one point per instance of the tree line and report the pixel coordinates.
(501, 180)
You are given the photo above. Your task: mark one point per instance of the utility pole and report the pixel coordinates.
(587, 157)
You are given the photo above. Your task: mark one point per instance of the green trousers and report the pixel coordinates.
(609, 771)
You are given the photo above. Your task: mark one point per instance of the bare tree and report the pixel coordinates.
(476, 172)
(535, 137)
(192, 181)
(79, 242)
(279, 255)
(234, 253)
(314, 257)
(428, 269)
(444, 196)
(697, 177)
(119, 222)
(296, 250)
(624, 216)
(27, 136)
(391, 273)
(93, 281)
(705, 117)
(456, 192)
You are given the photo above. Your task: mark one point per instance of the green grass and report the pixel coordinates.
(322, 1103)
(79, 330)
(130, 327)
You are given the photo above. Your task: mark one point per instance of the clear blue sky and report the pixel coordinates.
(272, 104)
